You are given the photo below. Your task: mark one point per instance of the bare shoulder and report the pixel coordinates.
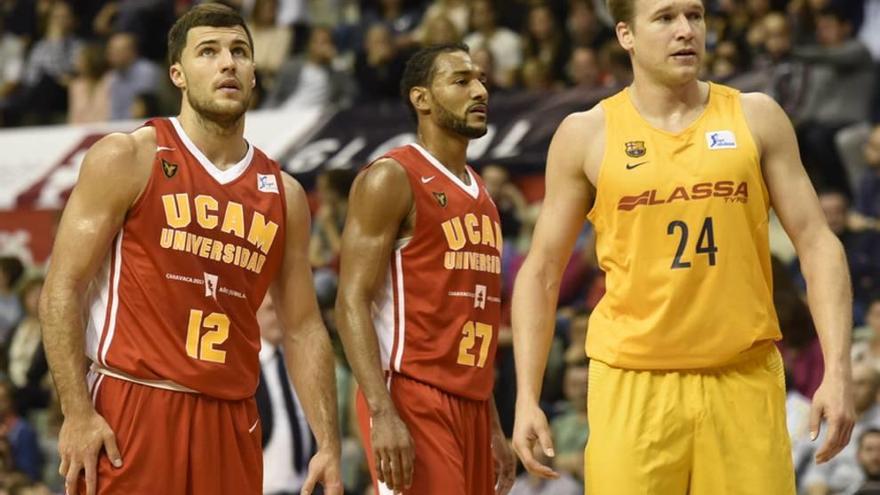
(382, 177)
(122, 160)
(587, 126)
(579, 144)
(765, 118)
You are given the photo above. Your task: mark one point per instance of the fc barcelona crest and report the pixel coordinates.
(441, 198)
(635, 149)
(169, 168)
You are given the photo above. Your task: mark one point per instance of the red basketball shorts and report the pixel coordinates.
(177, 442)
(452, 438)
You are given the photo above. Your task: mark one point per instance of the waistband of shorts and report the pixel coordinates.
(163, 384)
(758, 351)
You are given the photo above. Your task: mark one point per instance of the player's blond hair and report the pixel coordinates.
(621, 10)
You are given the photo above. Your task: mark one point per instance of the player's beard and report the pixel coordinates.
(210, 110)
(457, 124)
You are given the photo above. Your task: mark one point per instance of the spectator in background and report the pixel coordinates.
(26, 341)
(145, 106)
(310, 80)
(271, 41)
(12, 50)
(866, 348)
(545, 41)
(379, 67)
(535, 75)
(287, 441)
(440, 30)
(869, 461)
(48, 70)
(504, 44)
(617, 64)
(570, 427)
(862, 249)
(841, 73)
(26, 455)
(842, 471)
(11, 270)
(511, 204)
(583, 69)
(130, 74)
(483, 59)
(401, 17)
(784, 77)
(147, 20)
(88, 95)
(584, 27)
(455, 11)
(867, 203)
(333, 187)
(529, 484)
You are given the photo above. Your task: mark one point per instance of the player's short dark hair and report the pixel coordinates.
(420, 71)
(624, 10)
(206, 14)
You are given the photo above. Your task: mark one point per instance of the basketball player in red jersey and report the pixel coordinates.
(170, 240)
(418, 304)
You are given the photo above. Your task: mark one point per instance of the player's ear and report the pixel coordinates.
(419, 98)
(177, 76)
(624, 32)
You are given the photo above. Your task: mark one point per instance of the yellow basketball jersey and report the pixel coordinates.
(681, 226)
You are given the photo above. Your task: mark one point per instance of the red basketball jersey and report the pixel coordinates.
(437, 318)
(177, 297)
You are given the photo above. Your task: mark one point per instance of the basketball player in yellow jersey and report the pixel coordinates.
(686, 389)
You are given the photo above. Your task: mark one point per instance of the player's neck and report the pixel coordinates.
(658, 102)
(451, 151)
(224, 146)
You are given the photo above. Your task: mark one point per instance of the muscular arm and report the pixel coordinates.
(113, 173)
(380, 201)
(106, 188)
(567, 199)
(821, 254)
(307, 350)
(566, 202)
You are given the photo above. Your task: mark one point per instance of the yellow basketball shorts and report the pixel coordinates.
(702, 432)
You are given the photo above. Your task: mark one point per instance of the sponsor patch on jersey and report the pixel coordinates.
(635, 149)
(211, 281)
(169, 168)
(441, 198)
(720, 140)
(267, 183)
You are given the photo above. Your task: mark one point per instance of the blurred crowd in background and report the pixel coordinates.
(99, 60)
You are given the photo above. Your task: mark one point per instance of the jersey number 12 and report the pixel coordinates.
(201, 345)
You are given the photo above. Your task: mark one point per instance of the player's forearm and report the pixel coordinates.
(311, 364)
(362, 350)
(829, 294)
(534, 303)
(64, 343)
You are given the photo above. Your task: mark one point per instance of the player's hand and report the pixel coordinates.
(80, 442)
(393, 450)
(505, 463)
(531, 427)
(324, 469)
(833, 401)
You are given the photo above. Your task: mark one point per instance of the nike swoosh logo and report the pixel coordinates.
(254, 427)
(163, 148)
(425, 180)
(630, 166)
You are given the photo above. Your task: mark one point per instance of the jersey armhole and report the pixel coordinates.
(591, 214)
